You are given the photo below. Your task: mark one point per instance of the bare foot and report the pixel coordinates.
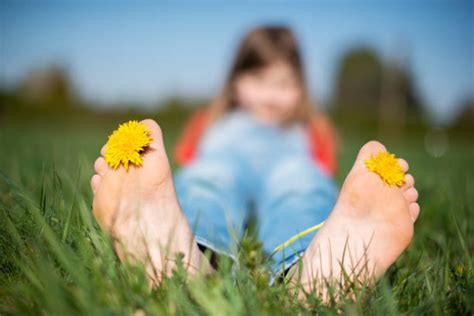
(140, 210)
(370, 226)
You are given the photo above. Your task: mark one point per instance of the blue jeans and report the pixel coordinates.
(244, 165)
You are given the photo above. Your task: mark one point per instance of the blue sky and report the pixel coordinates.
(144, 51)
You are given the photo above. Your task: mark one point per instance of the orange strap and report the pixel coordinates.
(321, 138)
(187, 144)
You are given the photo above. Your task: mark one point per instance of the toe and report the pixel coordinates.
(156, 134)
(369, 149)
(100, 166)
(414, 209)
(409, 182)
(95, 182)
(411, 195)
(102, 150)
(404, 164)
(372, 147)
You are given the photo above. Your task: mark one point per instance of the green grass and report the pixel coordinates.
(55, 260)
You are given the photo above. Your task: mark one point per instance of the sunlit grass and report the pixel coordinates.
(55, 260)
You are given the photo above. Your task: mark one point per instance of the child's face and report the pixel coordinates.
(270, 94)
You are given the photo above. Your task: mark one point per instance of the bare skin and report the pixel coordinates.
(368, 229)
(140, 210)
(366, 232)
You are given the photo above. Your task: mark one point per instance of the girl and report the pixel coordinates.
(259, 146)
(263, 47)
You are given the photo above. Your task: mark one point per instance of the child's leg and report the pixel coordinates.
(213, 193)
(295, 196)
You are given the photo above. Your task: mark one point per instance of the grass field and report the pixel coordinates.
(54, 259)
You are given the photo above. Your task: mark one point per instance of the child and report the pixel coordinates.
(261, 132)
(259, 147)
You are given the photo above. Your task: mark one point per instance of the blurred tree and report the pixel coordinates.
(5, 100)
(48, 88)
(369, 90)
(465, 119)
(399, 102)
(358, 82)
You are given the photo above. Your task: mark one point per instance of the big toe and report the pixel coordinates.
(155, 156)
(155, 159)
(366, 151)
(155, 133)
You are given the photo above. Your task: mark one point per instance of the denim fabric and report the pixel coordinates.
(242, 162)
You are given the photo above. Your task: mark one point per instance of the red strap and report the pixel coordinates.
(187, 144)
(322, 141)
(321, 137)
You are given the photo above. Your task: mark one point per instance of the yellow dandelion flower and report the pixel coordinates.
(126, 144)
(460, 269)
(387, 167)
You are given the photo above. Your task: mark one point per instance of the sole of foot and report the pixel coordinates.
(371, 224)
(140, 210)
